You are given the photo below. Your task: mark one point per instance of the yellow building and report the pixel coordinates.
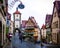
(31, 27)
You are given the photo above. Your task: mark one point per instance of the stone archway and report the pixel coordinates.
(16, 29)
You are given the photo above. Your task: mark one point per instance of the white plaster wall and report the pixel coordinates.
(17, 23)
(43, 32)
(17, 15)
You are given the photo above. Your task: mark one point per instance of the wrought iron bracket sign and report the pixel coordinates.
(21, 6)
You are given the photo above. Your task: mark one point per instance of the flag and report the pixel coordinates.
(8, 16)
(7, 21)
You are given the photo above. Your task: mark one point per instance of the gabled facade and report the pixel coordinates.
(31, 27)
(56, 23)
(43, 31)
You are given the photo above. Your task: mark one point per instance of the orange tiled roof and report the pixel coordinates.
(17, 12)
(43, 26)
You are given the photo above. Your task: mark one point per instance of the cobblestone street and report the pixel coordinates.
(16, 43)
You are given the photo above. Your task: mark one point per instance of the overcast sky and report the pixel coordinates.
(35, 8)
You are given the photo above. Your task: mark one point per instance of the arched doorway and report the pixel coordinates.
(16, 29)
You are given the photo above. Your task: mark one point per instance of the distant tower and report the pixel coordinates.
(17, 19)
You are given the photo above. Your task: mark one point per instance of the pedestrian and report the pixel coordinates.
(20, 36)
(8, 37)
(15, 39)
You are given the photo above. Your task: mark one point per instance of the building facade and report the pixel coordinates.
(43, 33)
(48, 21)
(23, 25)
(3, 10)
(3, 29)
(56, 23)
(32, 28)
(17, 19)
(11, 27)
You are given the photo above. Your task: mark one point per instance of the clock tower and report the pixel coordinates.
(17, 19)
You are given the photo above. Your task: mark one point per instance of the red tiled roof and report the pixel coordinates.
(17, 12)
(24, 23)
(43, 26)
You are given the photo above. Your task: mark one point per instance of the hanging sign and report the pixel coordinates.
(21, 6)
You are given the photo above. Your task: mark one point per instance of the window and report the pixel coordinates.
(55, 14)
(55, 24)
(17, 26)
(54, 36)
(17, 15)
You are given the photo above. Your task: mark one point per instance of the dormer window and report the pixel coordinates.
(55, 24)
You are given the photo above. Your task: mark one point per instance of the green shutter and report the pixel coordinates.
(7, 30)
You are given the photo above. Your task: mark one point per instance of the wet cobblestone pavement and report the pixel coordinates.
(16, 43)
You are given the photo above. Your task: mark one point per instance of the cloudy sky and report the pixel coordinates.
(36, 8)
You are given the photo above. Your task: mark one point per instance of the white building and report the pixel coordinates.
(39, 36)
(43, 32)
(17, 19)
